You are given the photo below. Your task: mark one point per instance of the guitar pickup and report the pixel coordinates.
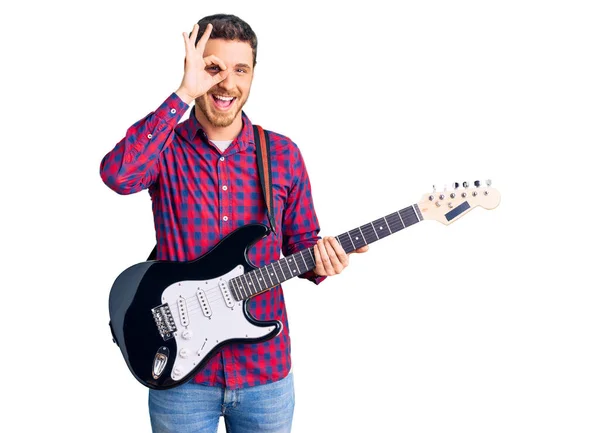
(204, 304)
(226, 293)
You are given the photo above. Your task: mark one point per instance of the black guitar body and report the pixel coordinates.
(201, 322)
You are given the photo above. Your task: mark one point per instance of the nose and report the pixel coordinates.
(228, 83)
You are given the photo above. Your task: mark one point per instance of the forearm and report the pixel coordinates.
(133, 163)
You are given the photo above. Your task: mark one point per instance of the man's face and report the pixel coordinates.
(223, 103)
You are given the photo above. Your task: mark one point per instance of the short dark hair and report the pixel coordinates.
(231, 28)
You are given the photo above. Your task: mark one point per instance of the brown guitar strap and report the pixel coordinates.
(263, 159)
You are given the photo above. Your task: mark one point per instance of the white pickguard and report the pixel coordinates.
(204, 317)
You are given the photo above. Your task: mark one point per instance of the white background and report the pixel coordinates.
(490, 324)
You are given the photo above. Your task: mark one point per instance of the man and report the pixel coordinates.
(203, 180)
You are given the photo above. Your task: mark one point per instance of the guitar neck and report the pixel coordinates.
(267, 277)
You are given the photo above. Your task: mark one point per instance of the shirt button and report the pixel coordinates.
(224, 187)
(222, 158)
(225, 218)
(173, 111)
(149, 136)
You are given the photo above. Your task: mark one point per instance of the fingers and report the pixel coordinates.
(338, 259)
(190, 38)
(214, 60)
(330, 258)
(204, 39)
(339, 252)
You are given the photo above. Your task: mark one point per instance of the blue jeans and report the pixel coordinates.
(193, 408)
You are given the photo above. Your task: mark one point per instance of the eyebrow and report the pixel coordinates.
(242, 65)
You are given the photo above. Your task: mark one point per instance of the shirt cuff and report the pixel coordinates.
(311, 276)
(172, 109)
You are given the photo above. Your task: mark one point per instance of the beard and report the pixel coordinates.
(217, 118)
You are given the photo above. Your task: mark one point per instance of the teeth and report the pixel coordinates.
(224, 98)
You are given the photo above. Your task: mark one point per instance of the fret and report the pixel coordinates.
(255, 287)
(394, 221)
(417, 212)
(267, 272)
(279, 279)
(375, 230)
(337, 238)
(236, 291)
(311, 256)
(302, 255)
(409, 216)
(254, 281)
(249, 283)
(287, 262)
(262, 286)
(350, 237)
(241, 287)
(363, 236)
(282, 271)
(380, 228)
(388, 226)
(297, 267)
(369, 233)
(403, 225)
(244, 286)
(356, 242)
(344, 243)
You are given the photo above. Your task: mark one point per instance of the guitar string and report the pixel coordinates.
(394, 227)
(216, 291)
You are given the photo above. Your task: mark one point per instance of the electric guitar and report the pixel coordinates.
(169, 318)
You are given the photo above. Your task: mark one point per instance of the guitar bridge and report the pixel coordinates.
(164, 321)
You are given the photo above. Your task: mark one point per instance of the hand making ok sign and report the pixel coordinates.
(196, 79)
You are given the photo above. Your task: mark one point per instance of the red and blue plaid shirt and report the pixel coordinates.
(199, 195)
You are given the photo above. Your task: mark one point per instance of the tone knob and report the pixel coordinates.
(187, 334)
(184, 353)
(177, 371)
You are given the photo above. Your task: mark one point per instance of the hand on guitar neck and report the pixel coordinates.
(330, 257)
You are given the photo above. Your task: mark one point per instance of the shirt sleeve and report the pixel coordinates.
(300, 227)
(133, 164)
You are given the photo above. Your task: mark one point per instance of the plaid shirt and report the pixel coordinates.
(199, 195)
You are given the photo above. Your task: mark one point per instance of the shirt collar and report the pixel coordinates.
(244, 139)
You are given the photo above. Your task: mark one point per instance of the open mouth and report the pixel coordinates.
(223, 102)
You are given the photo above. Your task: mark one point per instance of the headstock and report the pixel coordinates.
(449, 205)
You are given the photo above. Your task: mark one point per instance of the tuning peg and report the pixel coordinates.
(434, 188)
(465, 184)
(456, 185)
(488, 182)
(477, 184)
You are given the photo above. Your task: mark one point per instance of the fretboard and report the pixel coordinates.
(267, 277)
